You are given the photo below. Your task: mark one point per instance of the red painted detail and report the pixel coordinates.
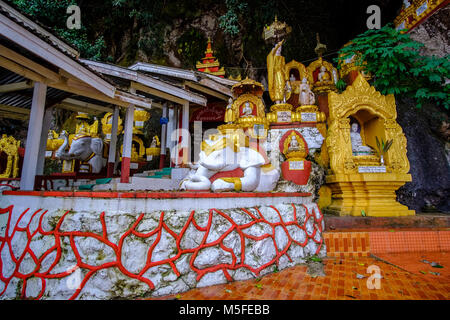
(238, 172)
(155, 195)
(110, 169)
(299, 177)
(57, 236)
(8, 185)
(211, 113)
(286, 135)
(322, 103)
(162, 159)
(125, 171)
(292, 125)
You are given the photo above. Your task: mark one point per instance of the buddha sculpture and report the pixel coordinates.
(357, 144)
(293, 144)
(278, 79)
(229, 114)
(247, 111)
(324, 75)
(306, 96)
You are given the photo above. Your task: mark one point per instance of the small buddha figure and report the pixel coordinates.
(293, 144)
(324, 75)
(306, 96)
(247, 111)
(154, 143)
(229, 114)
(357, 145)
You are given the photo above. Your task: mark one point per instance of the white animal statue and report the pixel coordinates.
(223, 154)
(84, 148)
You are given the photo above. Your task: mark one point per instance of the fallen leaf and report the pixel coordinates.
(362, 264)
(363, 213)
(227, 290)
(436, 265)
(354, 288)
(360, 276)
(424, 272)
(316, 259)
(425, 261)
(435, 273)
(178, 296)
(259, 285)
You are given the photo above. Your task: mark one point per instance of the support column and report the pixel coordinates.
(185, 135)
(113, 143)
(162, 156)
(48, 115)
(33, 137)
(127, 141)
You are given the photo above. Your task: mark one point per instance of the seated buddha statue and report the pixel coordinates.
(247, 111)
(357, 144)
(324, 75)
(293, 144)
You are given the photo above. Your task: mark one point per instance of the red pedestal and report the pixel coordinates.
(298, 176)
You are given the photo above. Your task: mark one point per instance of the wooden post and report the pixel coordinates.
(162, 156)
(113, 143)
(43, 143)
(33, 137)
(184, 134)
(127, 142)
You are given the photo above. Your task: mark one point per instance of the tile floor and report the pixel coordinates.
(340, 283)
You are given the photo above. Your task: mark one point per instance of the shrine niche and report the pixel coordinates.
(296, 168)
(323, 75)
(358, 118)
(297, 72)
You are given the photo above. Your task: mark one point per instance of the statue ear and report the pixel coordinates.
(250, 158)
(97, 146)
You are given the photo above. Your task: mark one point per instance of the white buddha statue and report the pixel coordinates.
(357, 145)
(293, 144)
(247, 111)
(306, 96)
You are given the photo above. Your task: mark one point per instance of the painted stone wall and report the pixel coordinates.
(67, 254)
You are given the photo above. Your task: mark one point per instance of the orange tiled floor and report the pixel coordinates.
(340, 282)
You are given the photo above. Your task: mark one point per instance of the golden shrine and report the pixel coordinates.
(361, 179)
(209, 63)
(413, 12)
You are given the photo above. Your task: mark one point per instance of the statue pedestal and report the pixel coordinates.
(372, 192)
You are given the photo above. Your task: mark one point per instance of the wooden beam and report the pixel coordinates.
(16, 110)
(157, 93)
(207, 90)
(14, 116)
(145, 80)
(20, 70)
(76, 108)
(19, 59)
(87, 105)
(17, 86)
(29, 41)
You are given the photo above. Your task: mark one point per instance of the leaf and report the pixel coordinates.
(434, 273)
(354, 288)
(228, 291)
(363, 213)
(436, 265)
(178, 296)
(424, 272)
(258, 285)
(360, 276)
(316, 259)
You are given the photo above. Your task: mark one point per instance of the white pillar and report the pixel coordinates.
(33, 137)
(186, 141)
(127, 143)
(48, 115)
(113, 142)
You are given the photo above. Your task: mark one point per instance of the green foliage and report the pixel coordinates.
(229, 22)
(383, 147)
(52, 13)
(394, 60)
(191, 46)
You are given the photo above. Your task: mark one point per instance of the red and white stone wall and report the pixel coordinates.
(102, 248)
